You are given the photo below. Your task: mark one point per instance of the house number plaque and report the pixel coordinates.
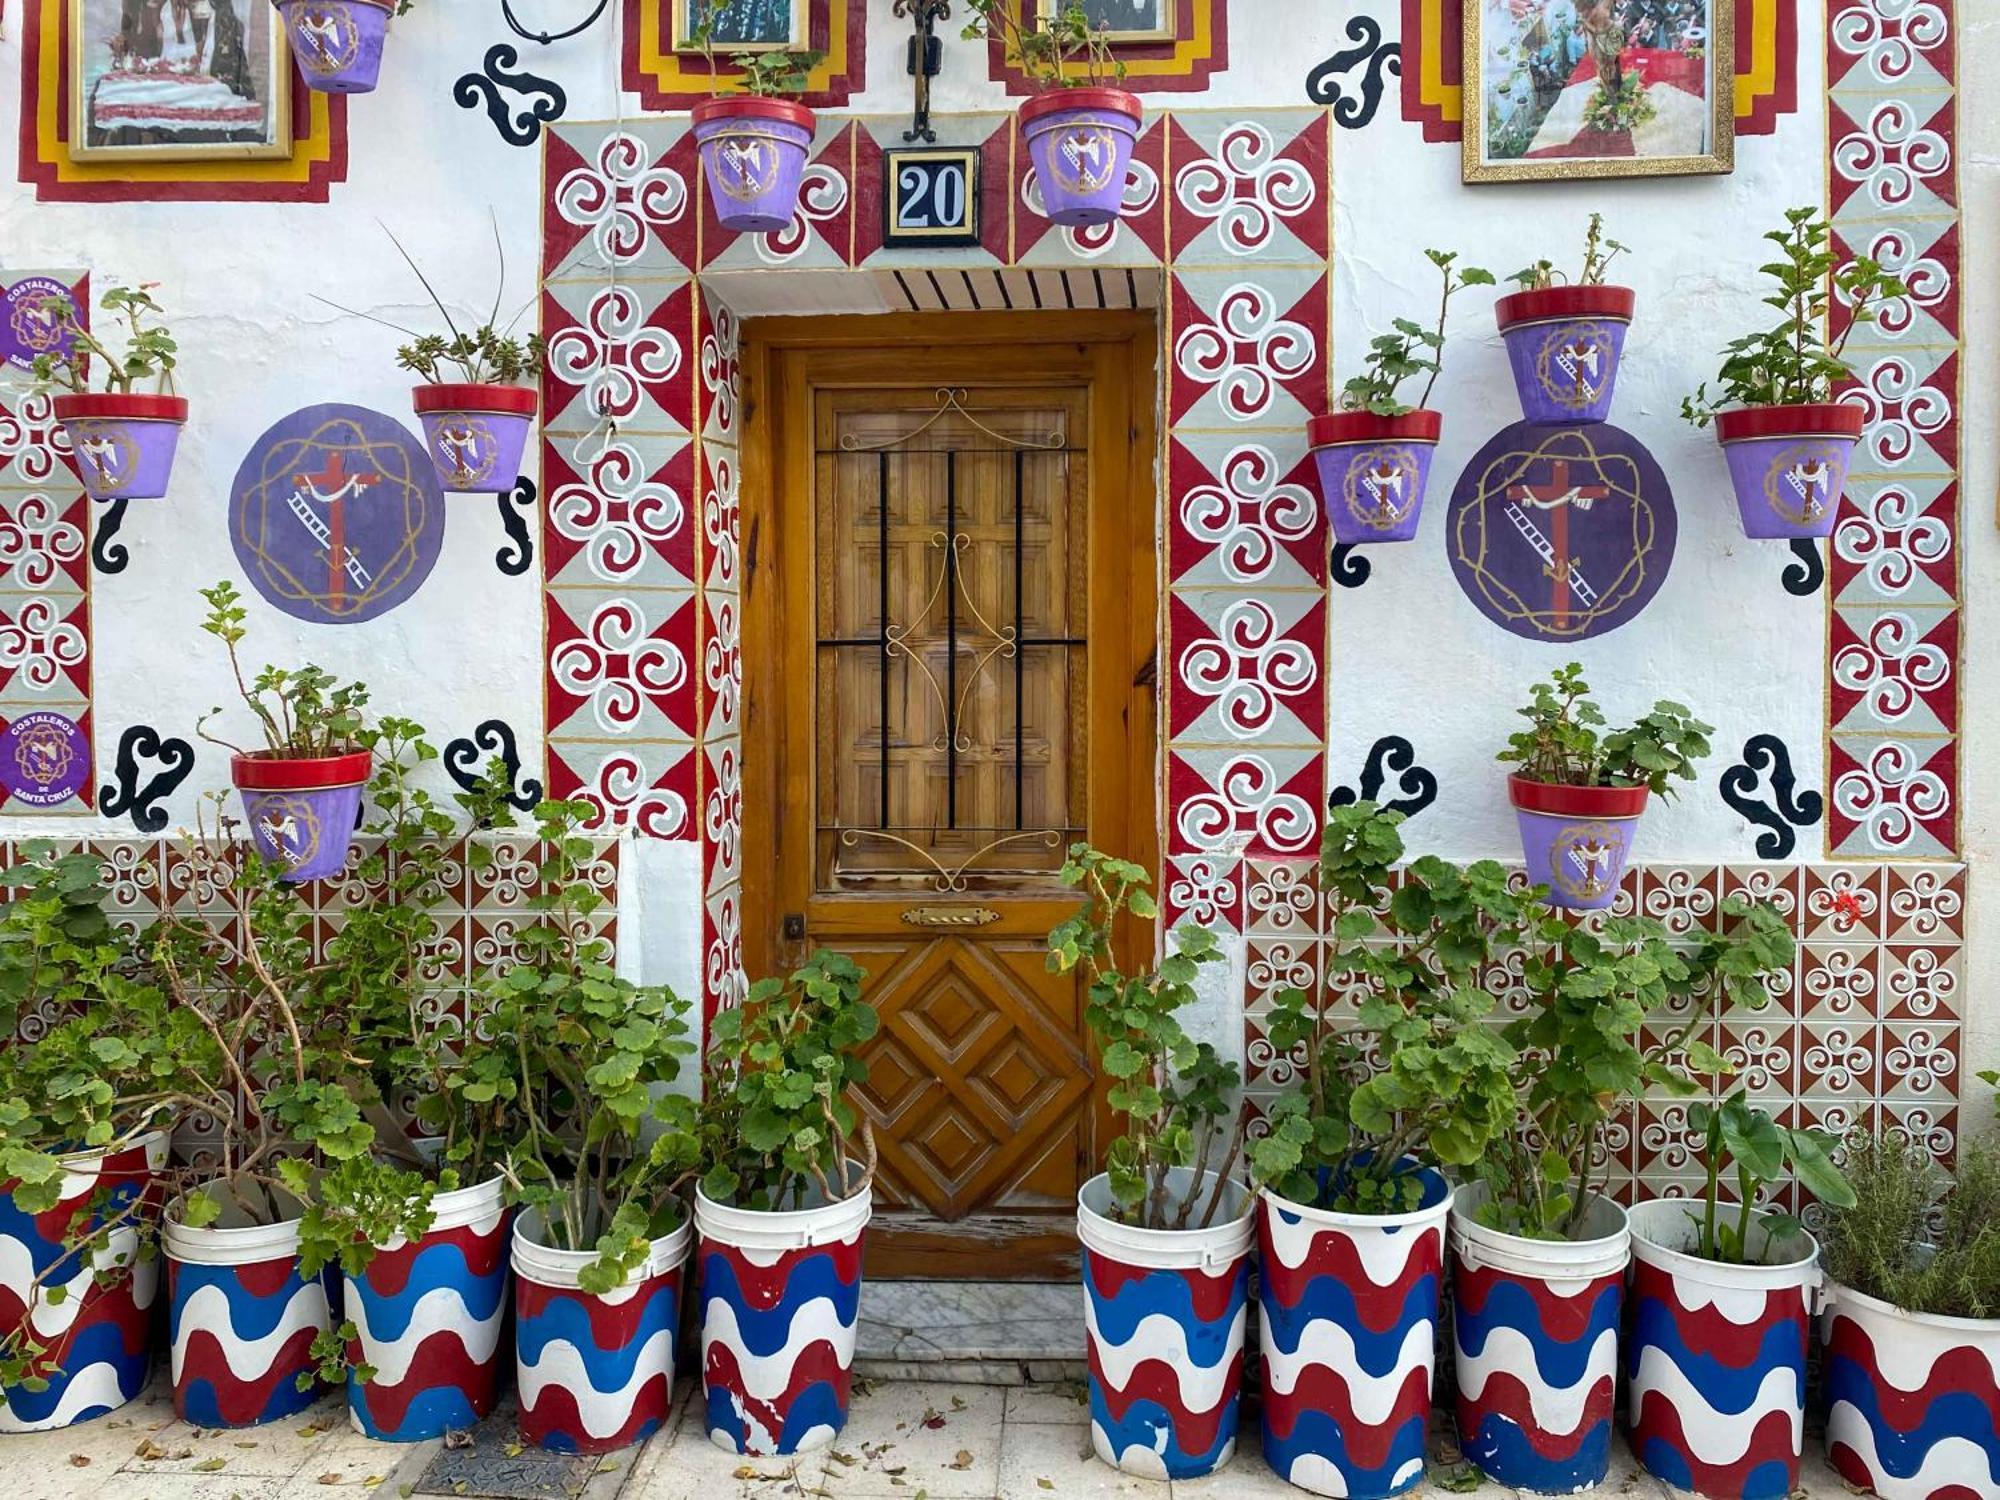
(931, 196)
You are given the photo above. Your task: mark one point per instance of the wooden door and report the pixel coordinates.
(949, 620)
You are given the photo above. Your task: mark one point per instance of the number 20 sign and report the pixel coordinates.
(932, 196)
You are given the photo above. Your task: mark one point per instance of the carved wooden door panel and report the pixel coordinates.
(960, 695)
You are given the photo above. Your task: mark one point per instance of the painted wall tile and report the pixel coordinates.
(621, 665)
(1244, 512)
(617, 353)
(1249, 186)
(620, 200)
(1246, 348)
(618, 510)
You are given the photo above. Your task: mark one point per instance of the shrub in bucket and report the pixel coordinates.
(782, 1208)
(1166, 1228)
(753, 145)
(1352, 1220)
(1786, 439)
(1374, 453)
(1565, 338)
(338, 43)
(1581, 789)
(122, 439)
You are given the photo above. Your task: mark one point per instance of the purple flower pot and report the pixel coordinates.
(1372, 472)
(302, 811)
(476, 433)
(1080, 141)
(753, 153)
(338, 43)
(1577, 839)
(124, 444)
(1788, 465)
(1564, 343)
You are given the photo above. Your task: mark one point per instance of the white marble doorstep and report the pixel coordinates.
(1000, 1325)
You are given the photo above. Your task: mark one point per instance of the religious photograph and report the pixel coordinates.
(741, 25)
(178, 79)
(1597, 88)
(1123, 20)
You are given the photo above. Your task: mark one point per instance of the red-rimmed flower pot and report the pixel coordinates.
(124, 443)
(1788, 465)
(1564, 344)
(338, 43)
(302, 811)
(1372, 471)
(1577, 839)
(476, 434)
(753, 155)
(1080, 142)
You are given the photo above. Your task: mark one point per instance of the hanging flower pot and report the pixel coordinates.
(427, 1314)
(92, 1317)
(1163, 1317)
(302, 811)
(753, 154)
(1535, 1340)
(1564, 343)
(1372, 471)
(124, 442)
(1788, 465)
(241, 1320)
(595, 1370)
(1350, 1312)
(780, 1293)
(338, 43)
(1080, 142)
(1716, 1365)
(476, 433)
(1576, 839)
(1913, 1399)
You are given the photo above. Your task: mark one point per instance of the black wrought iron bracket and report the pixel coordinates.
(926, 57)
(550, 38)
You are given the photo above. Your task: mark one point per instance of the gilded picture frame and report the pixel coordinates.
(755, 34)
(139, 71)
(1158, 25)
(1598, 88)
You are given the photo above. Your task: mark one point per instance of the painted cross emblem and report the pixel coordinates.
(1556, 496)
(331, 488)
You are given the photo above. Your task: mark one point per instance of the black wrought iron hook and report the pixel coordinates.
(549, 38)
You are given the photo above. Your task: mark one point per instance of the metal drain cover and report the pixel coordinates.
(496, 1466)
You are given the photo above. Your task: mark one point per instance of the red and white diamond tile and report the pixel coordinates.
(1248, 186)
(618, 510)
(620, 200)
(1892, 796)
(1243, 512)
(621, 665)
(645, 788)
(1260, 801)
(617, 354)
(994, 137)
(1247, 348)
(1246, 668)
(34, 449)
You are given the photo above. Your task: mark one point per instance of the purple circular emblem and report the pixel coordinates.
(336, 514)
(44, 758)
(1561, 533)
(26, 327)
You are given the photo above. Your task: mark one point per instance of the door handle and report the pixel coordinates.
(950, 916)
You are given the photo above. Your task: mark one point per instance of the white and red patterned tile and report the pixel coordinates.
(1232, 802)
(645, 788)
(1249, 186)
(618, 510)
(621, 200)
(1246, 668)
(721, 517)
(621, 665)
(1205, 889)
(44, 539)
(1243, 512)
(618, 355)
(34, 449)
(1247, 349)
(992, 134)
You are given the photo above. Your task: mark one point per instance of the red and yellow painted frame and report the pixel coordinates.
(1183, 62)
(667, 79)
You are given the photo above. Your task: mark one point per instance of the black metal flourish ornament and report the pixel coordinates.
(1347, 567)
(1418, 786)
(519, 555)
(1323, 86)
(1765, 756)
(125, 795)
(519, 124)
(106, 555)
(465, 762)
(1805, 576)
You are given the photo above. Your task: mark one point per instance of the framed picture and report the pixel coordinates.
(1598, 88)
(1122, 20)
(177, 80)
(742, 25)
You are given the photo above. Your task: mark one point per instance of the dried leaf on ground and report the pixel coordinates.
(962, 1461)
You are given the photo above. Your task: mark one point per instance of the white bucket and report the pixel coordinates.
(817, 1223)
(1223, 1241)
(1664, 1235)
(478, 1208)
(1566, 1266)
(546, 1266)
(233, 1238)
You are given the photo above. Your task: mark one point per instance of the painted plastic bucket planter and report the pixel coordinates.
(241, 1320)
(1564, 343)
(1576, 839)
(753, 155)
(1788, 465)
(1164, 1313)
(302, 811)
(124, 444)
(780, 1293)
(1350, 1305)
(96, 1340)
(428, 1314)
(1372, 472)
(476, 433)
(1913, 1399)
(338, 43)
(1080, 142)
(595, 1371)
(1535, 1340)
(1716, 1359)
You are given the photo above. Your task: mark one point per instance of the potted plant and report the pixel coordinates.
(1374, 453)
(753, 145)
(1564, 338)
(1912, 1332)
(338, 43)
(1539, 1248)
(782, 1206)
(1720, 1410)
(123, 439)
(1580, 790)
(1167, 1226)
(1353, 1201)
(1788, 441)
(87, 1097)
(302, 791)
(1079, 127)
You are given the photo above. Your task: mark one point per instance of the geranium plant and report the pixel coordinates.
(303, 713)
(1062, 50)
(1411, 350)
(1599, 251)
(1566, 742)
(150, 352)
